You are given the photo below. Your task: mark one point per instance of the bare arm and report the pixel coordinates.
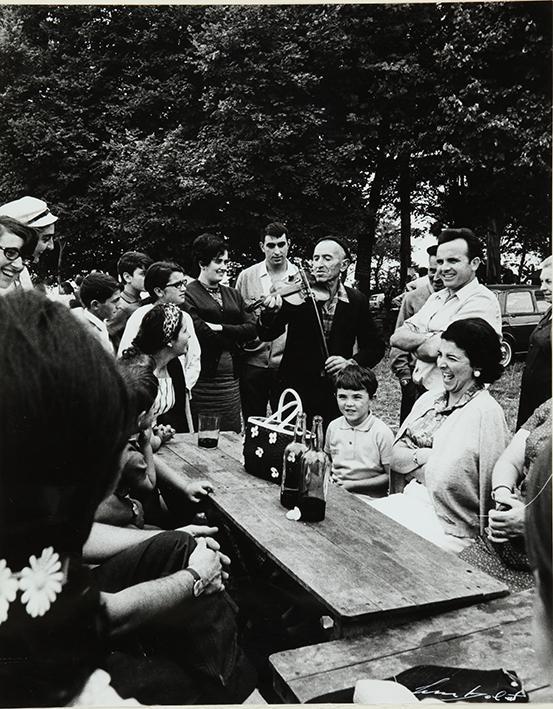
(105, 540)
(378, 483)
(403, 458)
(134, 606)
(510, 464)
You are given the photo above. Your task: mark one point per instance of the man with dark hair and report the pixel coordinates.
(100, 295)
(458, 257)
(323, 337)
(402, 363)
(131, 268)
(259, 377)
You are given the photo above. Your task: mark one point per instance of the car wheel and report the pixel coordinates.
(506, 353)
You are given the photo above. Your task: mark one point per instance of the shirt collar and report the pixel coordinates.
(440, 402)
(100, 324)
(363, 426)
(462, 294)
(342, 293)
(290, 269)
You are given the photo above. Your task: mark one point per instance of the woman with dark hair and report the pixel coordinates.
(164, 335)
(58, 459)
(65, 417)
(449, 443)
(166, 282)
(222, 325)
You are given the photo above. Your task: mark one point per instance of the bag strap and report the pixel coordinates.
(295, 405)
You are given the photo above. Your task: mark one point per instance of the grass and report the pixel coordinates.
(388, 397)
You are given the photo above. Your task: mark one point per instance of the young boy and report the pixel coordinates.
(359, 443)
(131, 268)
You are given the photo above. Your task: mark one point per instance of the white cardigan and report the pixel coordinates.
(458, 474)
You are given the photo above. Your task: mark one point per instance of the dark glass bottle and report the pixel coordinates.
(291, 465)
(315, 468)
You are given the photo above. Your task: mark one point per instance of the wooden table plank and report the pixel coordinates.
(487, 636)
(357, 562)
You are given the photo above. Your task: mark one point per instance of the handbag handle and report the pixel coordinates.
(295, 405)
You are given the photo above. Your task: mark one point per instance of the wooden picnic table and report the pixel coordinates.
(487, 636)
(362, 568)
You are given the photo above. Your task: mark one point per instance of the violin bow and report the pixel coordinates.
(313, 300)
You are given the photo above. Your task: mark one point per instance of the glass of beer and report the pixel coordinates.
(208, 430)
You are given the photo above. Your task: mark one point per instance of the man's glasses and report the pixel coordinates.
(12, 253)
(181, 285)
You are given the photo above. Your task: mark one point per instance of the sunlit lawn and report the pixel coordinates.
(388, 397)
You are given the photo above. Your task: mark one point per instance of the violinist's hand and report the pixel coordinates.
(273, 302)
(335, 364)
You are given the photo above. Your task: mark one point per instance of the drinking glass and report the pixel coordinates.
(208, 430)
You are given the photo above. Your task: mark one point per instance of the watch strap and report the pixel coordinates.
(195, 575)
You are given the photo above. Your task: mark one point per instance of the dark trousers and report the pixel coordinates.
(188, 656)
(318, 396)
(259, 386)
(409, 394)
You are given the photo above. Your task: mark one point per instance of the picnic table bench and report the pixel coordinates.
(361, 568)
(490, 635)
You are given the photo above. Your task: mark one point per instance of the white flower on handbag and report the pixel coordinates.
(41, 582)
(272, 437)
(292, 457)
(255, 431)
(259, 452)
(274, 473)
(8, 589)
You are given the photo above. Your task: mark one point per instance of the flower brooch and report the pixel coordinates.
(40, 582)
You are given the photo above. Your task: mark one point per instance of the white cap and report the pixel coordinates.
(30, 211)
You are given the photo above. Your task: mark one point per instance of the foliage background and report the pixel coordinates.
(145, 126)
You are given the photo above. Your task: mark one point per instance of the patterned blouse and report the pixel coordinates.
(420, 434)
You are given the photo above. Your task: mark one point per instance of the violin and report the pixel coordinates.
(299, 288)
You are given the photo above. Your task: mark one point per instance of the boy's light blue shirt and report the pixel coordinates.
(359, 452)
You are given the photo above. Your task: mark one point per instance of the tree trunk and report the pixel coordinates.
(365, 241)
(405, 216)
(60, 258)
(493, 257)
(522, 260)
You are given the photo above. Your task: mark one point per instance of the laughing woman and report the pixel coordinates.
(222, 325)
(450, 442)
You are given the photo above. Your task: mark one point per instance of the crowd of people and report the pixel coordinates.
(102, 539)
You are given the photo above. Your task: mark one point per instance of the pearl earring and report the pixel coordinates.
(477, 373)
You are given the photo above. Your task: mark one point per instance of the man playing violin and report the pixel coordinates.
(259, 375)
(323, 336)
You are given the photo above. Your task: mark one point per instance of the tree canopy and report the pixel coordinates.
(145, 126)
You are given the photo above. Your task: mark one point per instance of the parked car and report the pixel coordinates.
(521, 309)
(376, 300)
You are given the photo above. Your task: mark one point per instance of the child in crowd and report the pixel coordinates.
(359, 443)
(148, 493)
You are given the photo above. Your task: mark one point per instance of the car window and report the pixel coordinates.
(520, 302)
(541, 302)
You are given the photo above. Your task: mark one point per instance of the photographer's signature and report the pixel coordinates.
(501, 695)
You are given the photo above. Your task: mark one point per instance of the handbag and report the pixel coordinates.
(266, 438)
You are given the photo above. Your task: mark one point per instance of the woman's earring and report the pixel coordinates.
(477, 373)
(169, 344)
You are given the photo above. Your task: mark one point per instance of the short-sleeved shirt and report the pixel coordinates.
(359, 452)
(473, 300)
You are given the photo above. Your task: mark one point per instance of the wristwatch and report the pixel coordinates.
(199, 585)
